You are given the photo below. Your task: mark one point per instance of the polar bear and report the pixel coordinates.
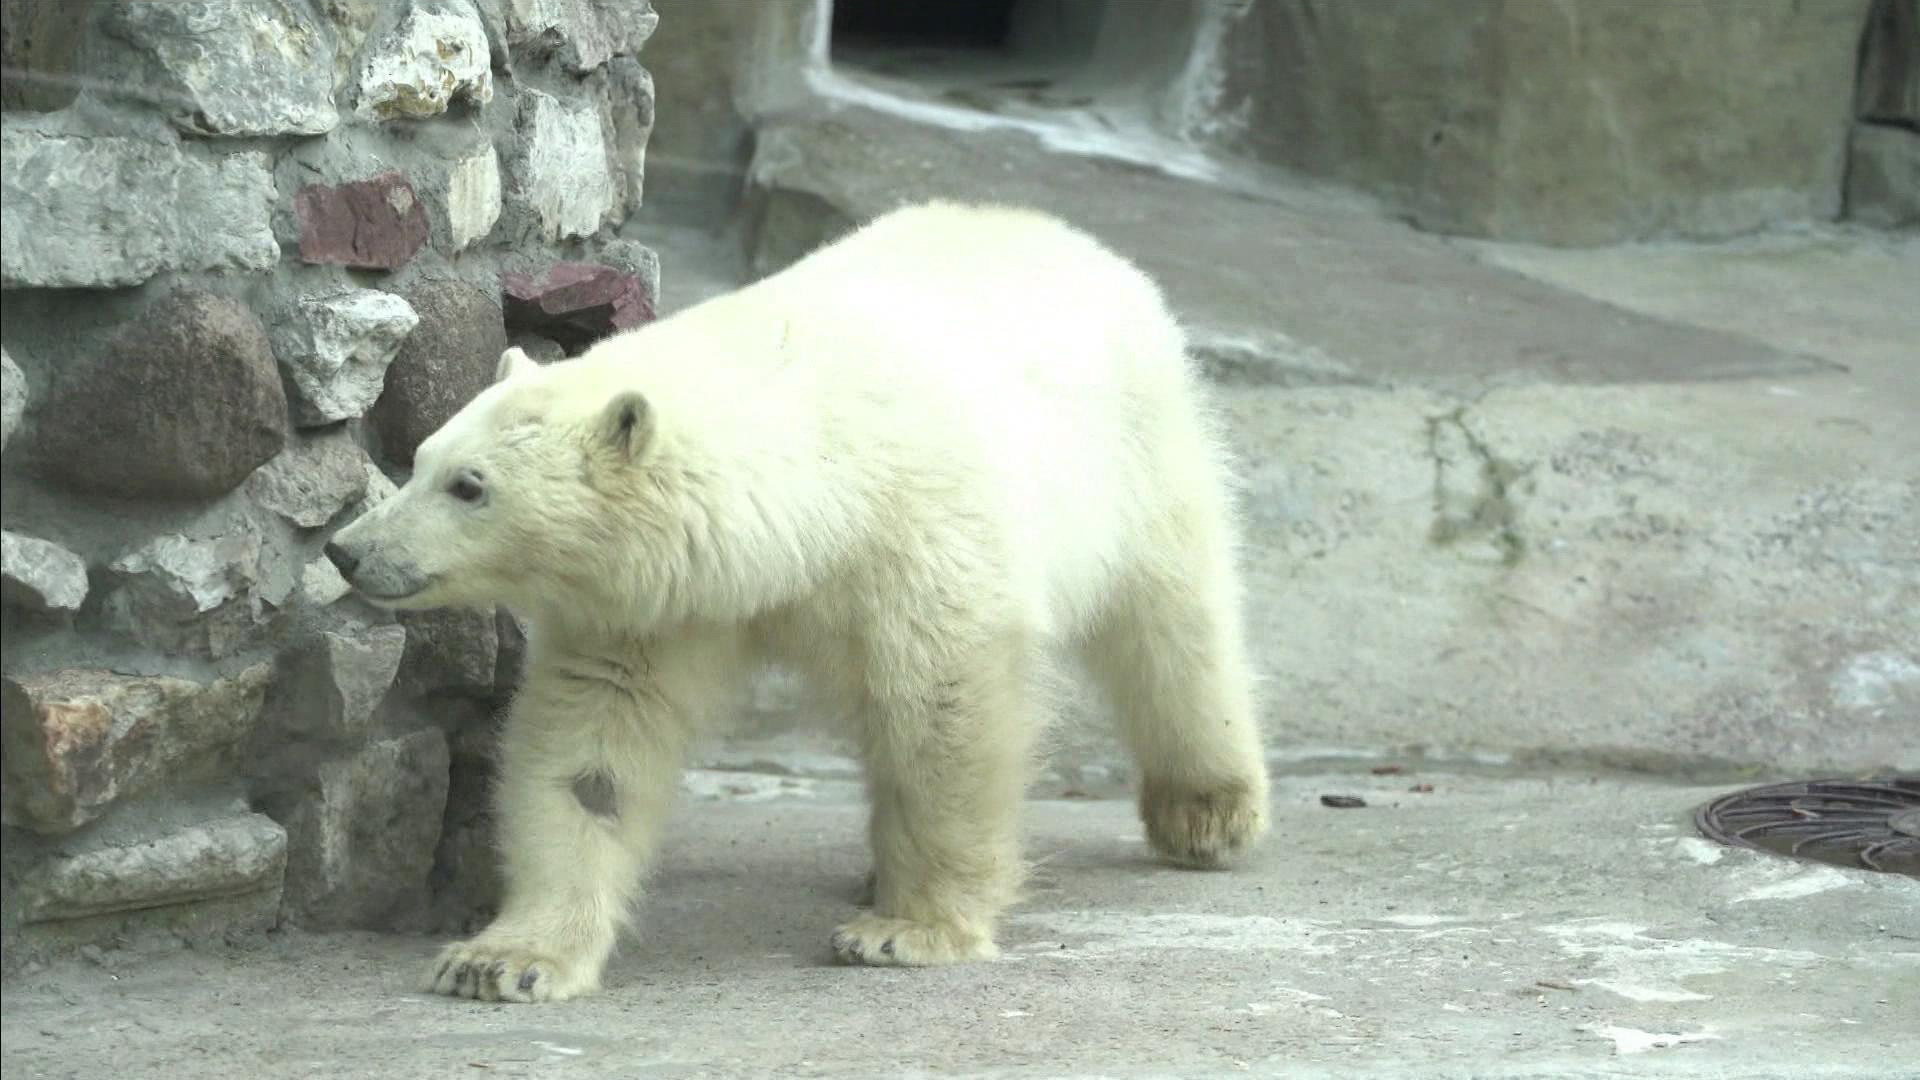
(913, 467)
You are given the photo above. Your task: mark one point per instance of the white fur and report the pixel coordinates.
(907, 466)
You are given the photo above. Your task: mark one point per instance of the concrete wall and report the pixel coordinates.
(1575, 124)
(1585, 123)
(252, 252)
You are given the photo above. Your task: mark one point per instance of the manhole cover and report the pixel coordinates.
(1873, 824)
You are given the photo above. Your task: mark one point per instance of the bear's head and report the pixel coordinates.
(526, 498)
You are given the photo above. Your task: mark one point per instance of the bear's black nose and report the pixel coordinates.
(341, 559)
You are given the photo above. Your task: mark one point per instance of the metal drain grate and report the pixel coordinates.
(1873, 824)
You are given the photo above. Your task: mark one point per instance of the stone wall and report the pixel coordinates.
(253, 251)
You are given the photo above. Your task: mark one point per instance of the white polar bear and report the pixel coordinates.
(904, 467)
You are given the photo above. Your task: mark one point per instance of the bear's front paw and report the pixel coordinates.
(882, 942)
(504, 972)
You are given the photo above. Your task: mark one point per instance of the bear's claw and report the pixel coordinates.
(470, 969)
(878, 941)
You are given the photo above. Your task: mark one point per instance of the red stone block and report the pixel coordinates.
(575, 304)
(375, 224)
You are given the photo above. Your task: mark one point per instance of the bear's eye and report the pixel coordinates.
(467, 487)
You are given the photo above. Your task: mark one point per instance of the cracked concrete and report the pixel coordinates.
(1480, 926)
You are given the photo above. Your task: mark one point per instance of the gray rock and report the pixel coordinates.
(466, 864)
(630, 99)
(335, 348)
(562, 174)
(40, 575)
(321, 583)
(1883, 176)
(361, 840)
(583, 33)
(352, 21)
(183, 594)
(1563, 125)
(225, 857)
(379, 489)
(453, 650)
(78, 740)
(437, 53)
(449, 358)
(100, 212)
(628, 24)
(13, 397)
(182, 403)
(231, 67)
(463, 197)
(331, 686)
(512, 659)
(312, 480)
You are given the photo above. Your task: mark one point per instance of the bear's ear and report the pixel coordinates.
(513, 362)
(626, 424)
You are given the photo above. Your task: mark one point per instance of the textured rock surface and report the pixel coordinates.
(13, 397)
(584, 33)
(563, 174)
(76, 740)
(102, 211)
(631, 104)
(182, 594)
(231, 67)
(575, 304)
(224, 857)
(466, 863)
(1567, 124)
(436, 54)
(331, 686)
(321, 583)
(1883, 176)
(449, 357)
(362, 837)
(466, 203)
(335, 348)
(312, 480)
(40, 575)
(373, 224)
(184, 402)
(451, 650)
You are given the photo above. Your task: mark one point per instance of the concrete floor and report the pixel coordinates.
(1569, 536)
(1498, 926)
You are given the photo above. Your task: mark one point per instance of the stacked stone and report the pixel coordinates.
(253, 252)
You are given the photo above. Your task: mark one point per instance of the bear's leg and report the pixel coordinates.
(947, 768)
(1170, 653)
(585, 780)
